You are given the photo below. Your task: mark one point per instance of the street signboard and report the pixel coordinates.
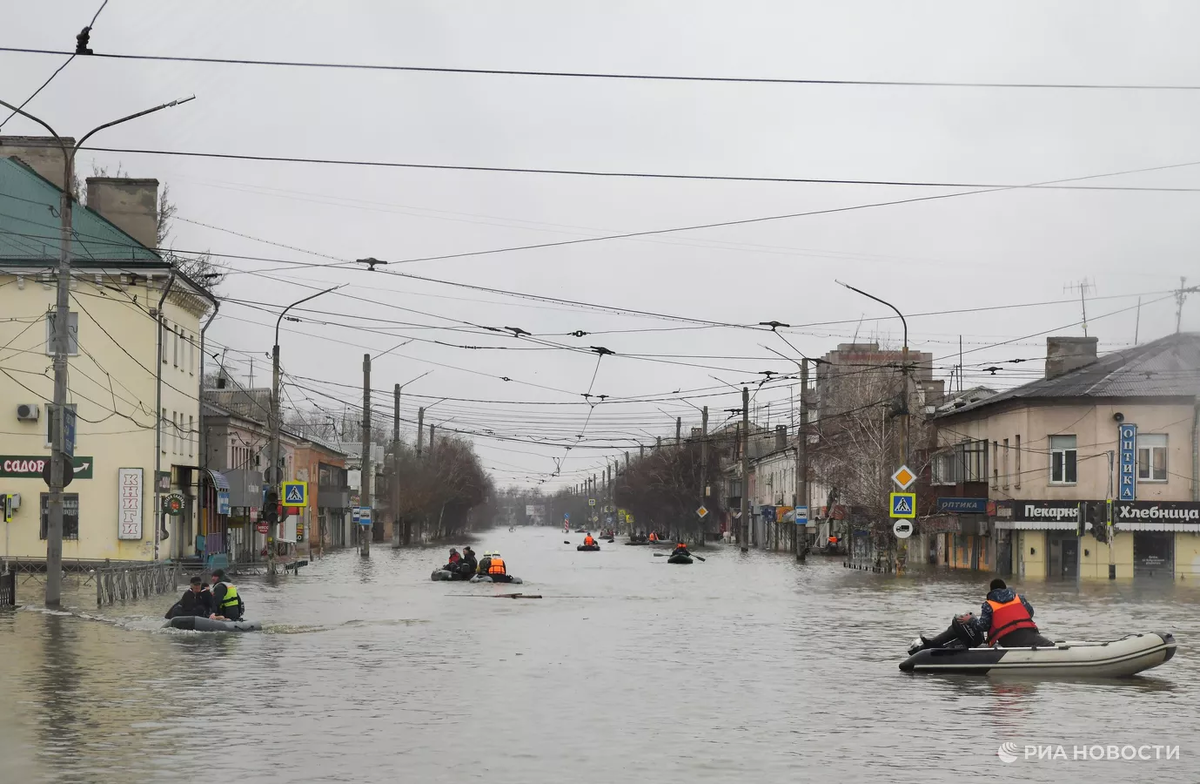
(902, 529)
(364, 515)
(963, 505)
(68, 418)
(702, 512)
(801, 515)
(1127, 465)
(904, 505)
(629, 518)
(129, 503)
(566, 517)
(591, 502)
(294, 493)
(173, 504)
(354, 514)
(608, 519)
(904, 477)
(263, 528)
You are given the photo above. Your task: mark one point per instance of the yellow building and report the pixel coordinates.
(1049, 455)
(134, 322)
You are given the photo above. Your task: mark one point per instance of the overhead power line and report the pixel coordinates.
(607, 75)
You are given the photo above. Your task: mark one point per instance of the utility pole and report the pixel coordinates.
(432, 430)
(678, 430)
(420, 430)
(641, 451)
(397, 539)
(364, 539)
(703, 464)
(626, 460)
(801, 532)
(745, 469)
(1180, 296)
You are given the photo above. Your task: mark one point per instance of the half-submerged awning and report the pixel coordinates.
(218, 479)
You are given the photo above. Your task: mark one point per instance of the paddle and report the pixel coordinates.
(690, 555)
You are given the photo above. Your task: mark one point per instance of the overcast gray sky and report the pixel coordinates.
(995, 249)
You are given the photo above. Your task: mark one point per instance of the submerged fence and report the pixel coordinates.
(8, 589)
(126, 582)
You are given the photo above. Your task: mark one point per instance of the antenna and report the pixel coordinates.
(1084, 286)
(1180, 296)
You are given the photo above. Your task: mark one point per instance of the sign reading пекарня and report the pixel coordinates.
(32, 466)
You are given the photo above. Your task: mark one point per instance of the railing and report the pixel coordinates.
(8, 589)
(126, 582)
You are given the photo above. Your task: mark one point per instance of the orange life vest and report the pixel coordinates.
(1008, 617)
(497, 566)
(588, 541)
(653, 538)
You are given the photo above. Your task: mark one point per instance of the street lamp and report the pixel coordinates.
(54, 526)
(903, 365)
(275, 476)
(397, 539)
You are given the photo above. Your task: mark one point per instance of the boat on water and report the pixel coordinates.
(496, 578)
(198, 623)
(679, 559)
(446, 574)
(958, 651)
(588, 547)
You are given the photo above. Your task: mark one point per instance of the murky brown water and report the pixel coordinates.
(743, 668)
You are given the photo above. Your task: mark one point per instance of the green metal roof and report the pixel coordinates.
(30, 226)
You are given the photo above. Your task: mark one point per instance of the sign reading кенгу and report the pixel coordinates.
(32, 466)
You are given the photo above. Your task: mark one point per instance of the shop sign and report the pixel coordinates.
(1156, 512)
(129, 503)
(1127, 464)
(1043, 511)
(173, 504)
(963, 505)
(33, 466)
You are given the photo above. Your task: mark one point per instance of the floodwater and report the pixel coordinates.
(747, 667)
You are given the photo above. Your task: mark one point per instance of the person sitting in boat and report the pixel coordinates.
(1007, 618)
(588, 541)
(653, 537)
(495, 565)
(680, 549)
(469, 562)
(228, 606)
(452, 564)
(197, 600)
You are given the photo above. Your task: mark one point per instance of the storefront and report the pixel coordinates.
(1164, 535)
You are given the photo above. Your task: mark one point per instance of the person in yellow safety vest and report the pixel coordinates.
(229, 606)
(496, 565)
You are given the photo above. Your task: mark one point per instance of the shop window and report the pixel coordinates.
(1152, 457)
(1063, 459)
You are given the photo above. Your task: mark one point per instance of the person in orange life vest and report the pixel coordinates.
(588, 541)
(496, 565)
(1008, 619)
(680, 549)
(653, 537)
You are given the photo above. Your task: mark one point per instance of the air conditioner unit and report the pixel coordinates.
(29, 412)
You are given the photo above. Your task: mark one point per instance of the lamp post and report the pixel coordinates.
(396, 528)
(275, 477)
(54, 526)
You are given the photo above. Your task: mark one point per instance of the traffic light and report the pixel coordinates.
(271, 507)
(6, 507)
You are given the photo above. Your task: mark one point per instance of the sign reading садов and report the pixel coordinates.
(32, 466)
(1127, 464)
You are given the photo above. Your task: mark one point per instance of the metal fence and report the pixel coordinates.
(8, 589)
(127, 582)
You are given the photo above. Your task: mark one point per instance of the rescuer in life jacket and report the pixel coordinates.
(228, 605)
(588, 541)
(495, 565)
(653, 537)
(680, 549)
(1008, 619)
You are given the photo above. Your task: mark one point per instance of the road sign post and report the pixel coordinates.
(904, 477)
(702, 512)
(902, 529)
(903, 505)
(294, 493)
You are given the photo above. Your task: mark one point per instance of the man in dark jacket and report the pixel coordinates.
(1008, 618)
(197, 600)
(469, 562)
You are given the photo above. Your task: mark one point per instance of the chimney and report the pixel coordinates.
(780, 437)
(1066, 354)
(40, 153)
(132, 205)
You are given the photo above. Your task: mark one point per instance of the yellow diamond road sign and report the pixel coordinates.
(904, 477)
(702, 512)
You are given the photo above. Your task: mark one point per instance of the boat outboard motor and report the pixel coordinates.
(963, 633)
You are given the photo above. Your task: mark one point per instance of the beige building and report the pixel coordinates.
(1049, 455)
(134, 322)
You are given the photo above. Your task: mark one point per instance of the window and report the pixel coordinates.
(191, 355)
(72, 333)
(52, 422)
(70, 515)
(974, 461)
(178, 334)
(995, 465)
(1152, 458)
(1017, 482)
(1006, 464)
(942, 468)
(165, 337)
(1062, 460)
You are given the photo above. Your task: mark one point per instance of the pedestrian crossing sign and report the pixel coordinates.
(295, 493)
(904, 505)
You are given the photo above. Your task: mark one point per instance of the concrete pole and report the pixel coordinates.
(703, 465)
(432, 431)
(397, 538)
(420, 430)
(641, 451)
(364, 539)
(678, 431)
(800, 534)
(745, 469)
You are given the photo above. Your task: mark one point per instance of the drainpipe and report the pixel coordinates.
(200, 418)
(158, 511)
(1196, 450)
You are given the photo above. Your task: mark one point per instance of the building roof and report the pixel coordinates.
(250, 404)
(1167, 367)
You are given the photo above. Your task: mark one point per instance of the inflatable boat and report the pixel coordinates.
(588, 547)
(679, 559)
(198, 623)
(496, 578)
(1114, 659)
(446, 574)
(636, 544)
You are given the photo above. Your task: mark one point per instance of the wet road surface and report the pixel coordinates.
(747, 667)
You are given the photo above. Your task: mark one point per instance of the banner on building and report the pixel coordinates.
(130, 487)
(1127, 464)
(33, 466)
(963, 505)
(1156, 512)
(1046, 511)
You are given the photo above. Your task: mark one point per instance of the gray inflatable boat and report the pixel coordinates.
(198, 623)
(496, 578)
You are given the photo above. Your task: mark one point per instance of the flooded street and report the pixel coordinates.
(742, 668)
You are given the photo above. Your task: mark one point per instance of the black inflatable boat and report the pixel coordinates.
(679, 559)
(446, 574)
(198, 623)
(588, 547)
(496, 578)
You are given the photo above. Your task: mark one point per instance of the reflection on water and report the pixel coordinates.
(744, 667)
